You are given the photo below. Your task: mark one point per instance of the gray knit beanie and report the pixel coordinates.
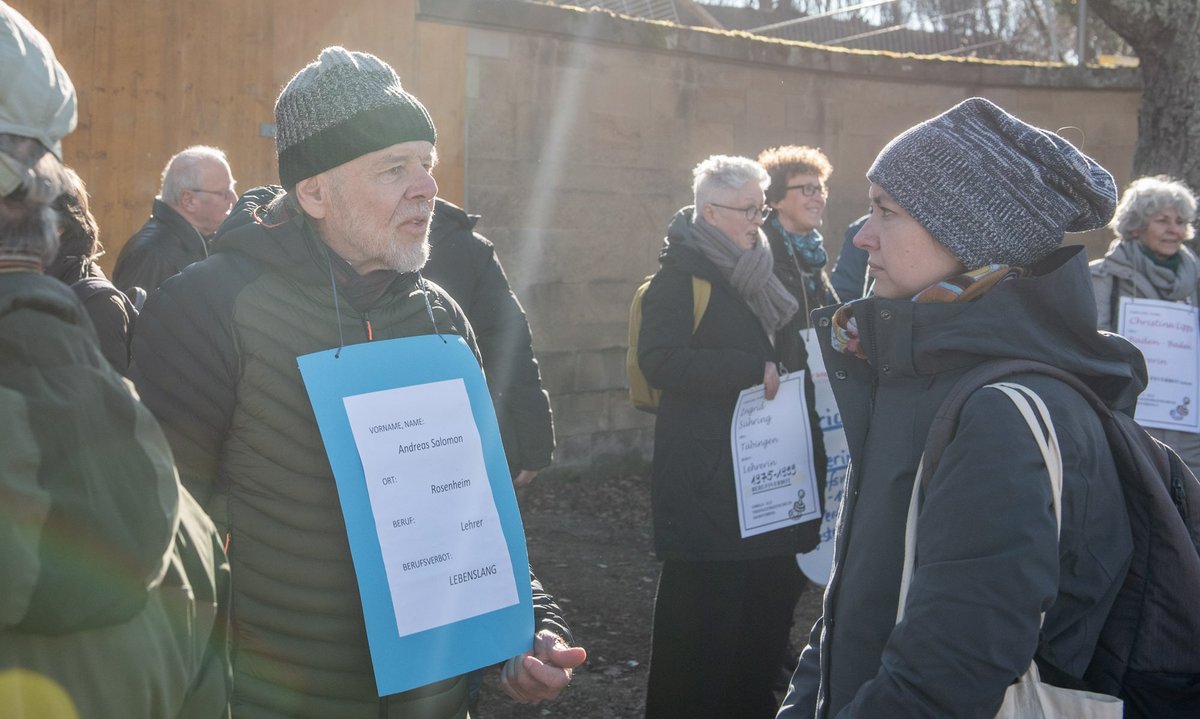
(340, 107)
(991, 188)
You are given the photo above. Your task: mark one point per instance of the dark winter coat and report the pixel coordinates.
(115, 585)
(987, 559)
(789, 342)
(163, 247)
(465, 264)
(215, 359)
(112, 313)
(700, 375)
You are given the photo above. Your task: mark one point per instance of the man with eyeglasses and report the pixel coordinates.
(724, 602)
(198, 190)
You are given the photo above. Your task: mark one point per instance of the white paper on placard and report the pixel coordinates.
(818, 564)
(773, 458)
(439, 530)
(1166, 333)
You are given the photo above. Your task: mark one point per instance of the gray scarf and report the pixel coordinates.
(750, 272)
(1153, 281)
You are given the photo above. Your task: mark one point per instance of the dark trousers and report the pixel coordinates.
(720, 632)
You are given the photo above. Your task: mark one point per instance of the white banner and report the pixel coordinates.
(818, 563)
(1166, 334)
(438, 528)
(773, 458)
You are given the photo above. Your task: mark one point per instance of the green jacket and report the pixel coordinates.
(215, 360)
(115, 587)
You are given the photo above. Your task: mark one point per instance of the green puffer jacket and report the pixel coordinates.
(115, 589)
(215, 360)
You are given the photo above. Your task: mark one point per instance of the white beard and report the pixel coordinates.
(408, 258)
(380, 245)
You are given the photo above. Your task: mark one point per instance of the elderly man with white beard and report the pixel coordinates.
(333, 260)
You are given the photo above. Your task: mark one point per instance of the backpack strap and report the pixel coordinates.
(1037, 416)
(1114, 303)
(945, 420)
(701, 292)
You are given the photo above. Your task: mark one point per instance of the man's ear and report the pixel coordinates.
(313, 196)
(187, 202)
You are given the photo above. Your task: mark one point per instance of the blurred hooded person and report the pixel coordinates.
(115, 593)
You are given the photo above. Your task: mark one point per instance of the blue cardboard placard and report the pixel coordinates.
(380, 376)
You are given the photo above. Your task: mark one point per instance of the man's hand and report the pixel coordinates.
(524, 477)
(543, 674)
(771, 381)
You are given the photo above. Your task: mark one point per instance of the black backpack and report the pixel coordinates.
(1149, 648)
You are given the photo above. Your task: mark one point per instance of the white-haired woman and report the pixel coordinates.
(1149, 260)
(724, 602)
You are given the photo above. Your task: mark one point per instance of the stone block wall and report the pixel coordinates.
(582, 129)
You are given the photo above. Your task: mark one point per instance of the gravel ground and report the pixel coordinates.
(589, 540)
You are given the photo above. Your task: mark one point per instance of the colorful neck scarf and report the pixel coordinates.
(808, 249)
(967, 287)
(845, 337)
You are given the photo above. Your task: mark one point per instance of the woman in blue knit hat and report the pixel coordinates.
(968, 213)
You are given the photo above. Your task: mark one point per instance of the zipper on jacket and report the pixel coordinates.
(849, 505)
(366, 319)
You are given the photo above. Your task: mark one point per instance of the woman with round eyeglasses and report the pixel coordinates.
(1150, 260)
(797, 196)
(797, 193)
(724, 603)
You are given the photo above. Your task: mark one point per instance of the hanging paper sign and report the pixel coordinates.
(431, 517)
(1166, 333)
(773, 458)
(818, 563)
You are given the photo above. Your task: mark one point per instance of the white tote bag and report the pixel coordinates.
(1028, 697)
